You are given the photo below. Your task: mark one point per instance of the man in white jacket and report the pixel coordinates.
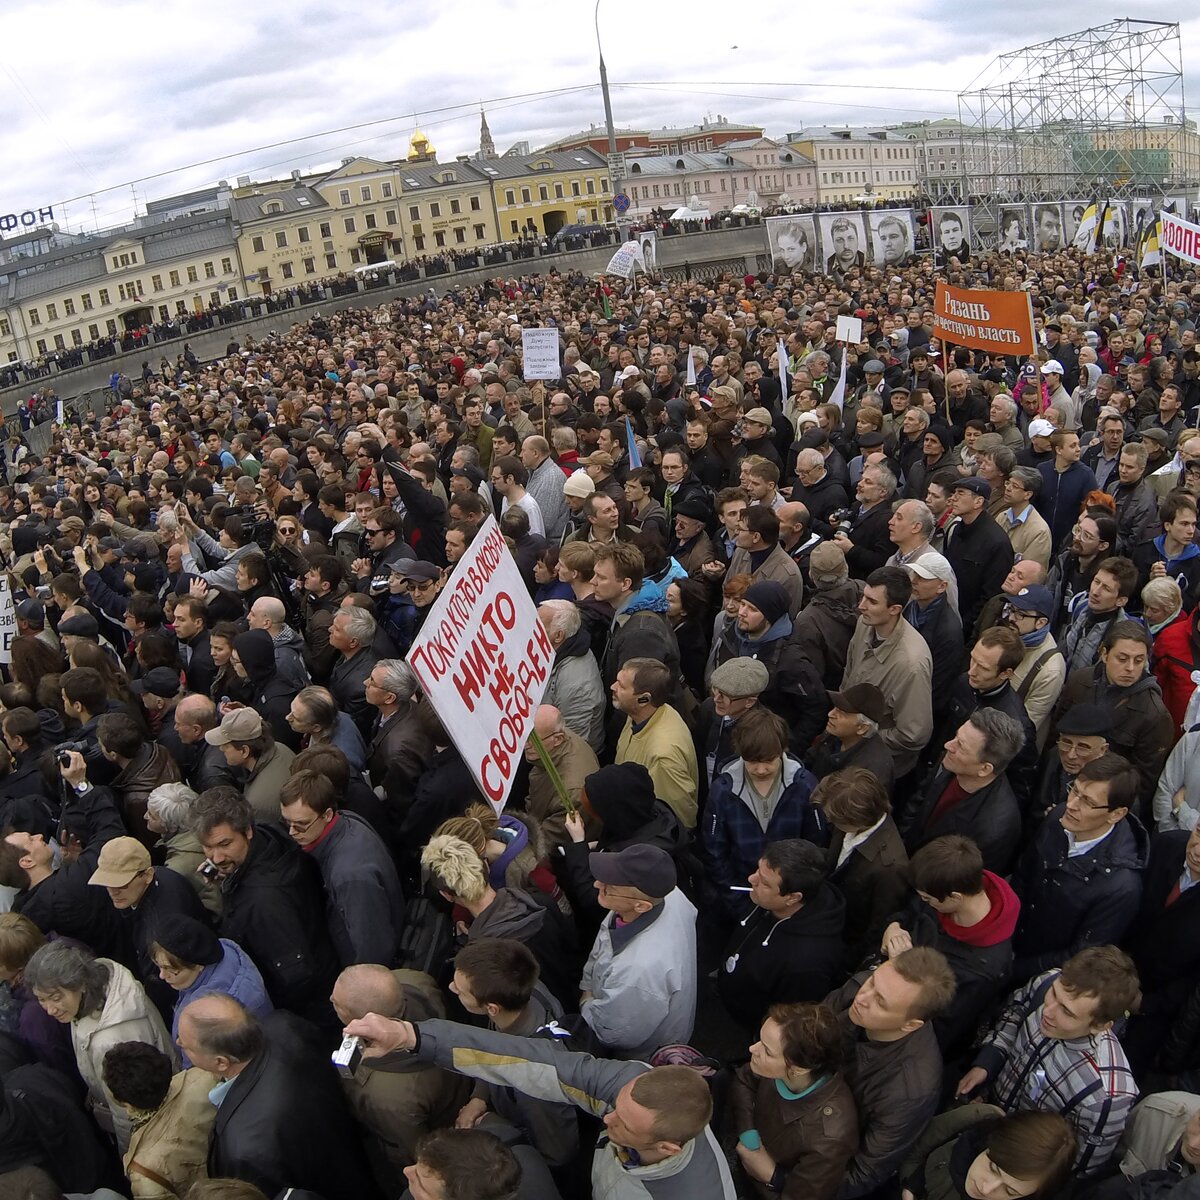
(639, 984)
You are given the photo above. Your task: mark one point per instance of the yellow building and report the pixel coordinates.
(102, 286)
(445, 206)
(541, 192)
(308, 228)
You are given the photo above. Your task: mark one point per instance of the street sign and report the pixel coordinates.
(621, 203)
(616, 168)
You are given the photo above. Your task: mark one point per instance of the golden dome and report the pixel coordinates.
(419, 148)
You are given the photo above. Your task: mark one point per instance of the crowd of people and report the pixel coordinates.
(857, 857)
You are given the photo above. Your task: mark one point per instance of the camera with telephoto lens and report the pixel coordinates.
(840, 520)
(64, 750)
(347, 1057)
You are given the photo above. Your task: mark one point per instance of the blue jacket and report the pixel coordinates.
(235, 975)
(733, 838)
(1062, 497)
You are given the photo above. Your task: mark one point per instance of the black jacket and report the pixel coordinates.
(963, 700)
(346, 684)
(284, 1122)
(874, 881)
(872, 541)
(1162, 940)
(871, 754)
(981, 556)
(825, 496)
(199, 667)
(767, 961)
(424, 514)
(990, 817)
(274, 908)
(210, 770)
(1068, 904)
(942, 630)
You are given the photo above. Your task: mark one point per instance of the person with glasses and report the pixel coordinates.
(383, 546)
(1080, 878)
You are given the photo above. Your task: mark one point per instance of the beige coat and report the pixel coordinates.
(168, 1151)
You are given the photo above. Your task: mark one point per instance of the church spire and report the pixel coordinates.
(487, 148)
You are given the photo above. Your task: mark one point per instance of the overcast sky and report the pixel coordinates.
(127, 90)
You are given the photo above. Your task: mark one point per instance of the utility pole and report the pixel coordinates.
(616, 161)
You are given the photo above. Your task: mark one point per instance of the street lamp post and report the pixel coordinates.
(616, 167)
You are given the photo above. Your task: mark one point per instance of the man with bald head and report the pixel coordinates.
(268, 612)
(545, 484)
(203, 766)
(281, 1119)
(396, 1109)
(1025, 573)
(574, 760)
(964, 402)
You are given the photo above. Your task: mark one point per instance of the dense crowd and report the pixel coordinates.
(861, 858)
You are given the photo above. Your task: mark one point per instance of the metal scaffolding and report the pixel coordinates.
(1099, 112)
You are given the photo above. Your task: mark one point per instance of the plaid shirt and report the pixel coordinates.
(1087, 1080)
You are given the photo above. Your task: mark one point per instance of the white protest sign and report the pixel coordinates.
(58, 412)
(8, 622)
(540, 359)
(849, 329)
(690, 381)
(626, 261)
(483, 660)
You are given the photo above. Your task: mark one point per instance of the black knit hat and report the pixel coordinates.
(189, 941)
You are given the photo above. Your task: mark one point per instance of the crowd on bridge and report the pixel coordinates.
(862, 859)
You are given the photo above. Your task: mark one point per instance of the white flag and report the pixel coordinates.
(781, 363)
(838, 395)
(690, 381)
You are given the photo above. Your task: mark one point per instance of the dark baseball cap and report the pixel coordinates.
(650, 869)
(973, 483)
(159, 681)
(864, 698)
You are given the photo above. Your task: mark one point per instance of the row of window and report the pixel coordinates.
(364, 194)
(132, 290)
(510, 194)
(435, 208)
(836, 177)
(77, 336)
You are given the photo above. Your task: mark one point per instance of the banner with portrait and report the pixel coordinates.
(1046, 227)
(1079, 223)
(1012, 231)
(891, 236)
(1141, 215)
(1116, 225)
(648, 240)
(843, 241)
(950, 231)
(792, 243)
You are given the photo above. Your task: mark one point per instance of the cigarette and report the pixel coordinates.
(739, 889)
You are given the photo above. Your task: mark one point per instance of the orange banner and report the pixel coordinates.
(1001, 322)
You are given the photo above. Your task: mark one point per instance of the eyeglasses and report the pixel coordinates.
(372, 532)
(1073, 793)
(1071, 745)
(302, 826)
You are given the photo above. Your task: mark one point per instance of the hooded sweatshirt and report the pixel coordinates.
(997, 926)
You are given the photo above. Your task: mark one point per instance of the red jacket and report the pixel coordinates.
(1173, 666)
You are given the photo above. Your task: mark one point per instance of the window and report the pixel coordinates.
(510, 197)
(326, 229)
(543, 192)
(418, 242)
(256, 244)
(350, 226)
(390, 216)
(174, 279)
(181, 308)
(156, 282)
(435, 209)
(355, 256)
(5, 328)
(164, 313)
(439, 239)
(86, 301)
(214, 298)
(460, 235)
(232, 296)
(302, 233)
(456, 206)
(331, 262)
(591, 186)
(35, 317)
(574, 187)
(479, 232)
(526, 196)
(281, 239)
(370, 220)
(51, 312)
(117, 261)
(604, 185)
(69, 308)
(103, 295)
(344, 196)
(365, 193)
(193, 275)
(310, 267)
(515, 227)
(286, 270)
(414, 212)
(474, 203)
(210, 270)
(386, 191)
(76, 337)
(558, 191)
(111, 327)
(41, 344)
(226, 267)
(94, 332)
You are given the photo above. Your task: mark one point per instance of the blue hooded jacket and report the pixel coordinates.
(235, 975)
